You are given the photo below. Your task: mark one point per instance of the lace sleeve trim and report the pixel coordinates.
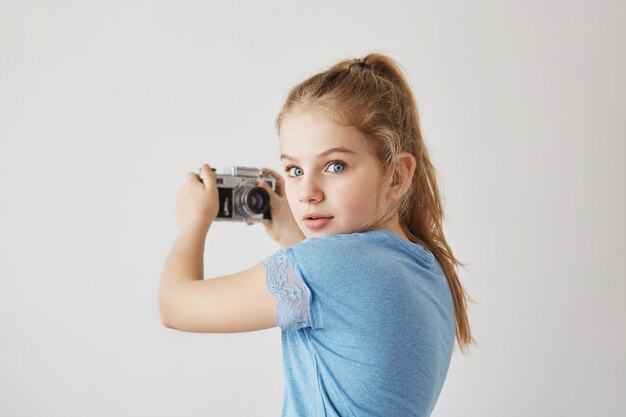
(289, 290)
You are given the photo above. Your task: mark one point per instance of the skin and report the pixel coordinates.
(330, 172)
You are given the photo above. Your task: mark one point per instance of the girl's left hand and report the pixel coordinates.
(197, 204)
(283, 227)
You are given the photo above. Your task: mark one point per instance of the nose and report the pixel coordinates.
(309, 190)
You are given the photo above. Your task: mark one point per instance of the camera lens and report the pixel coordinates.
(254, 200)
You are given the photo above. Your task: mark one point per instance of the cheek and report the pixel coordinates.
(365, 198)
(290, 194)
(359, 199)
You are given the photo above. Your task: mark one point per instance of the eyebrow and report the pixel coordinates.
(323, 154)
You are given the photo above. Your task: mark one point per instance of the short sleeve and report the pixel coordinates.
(289, 290)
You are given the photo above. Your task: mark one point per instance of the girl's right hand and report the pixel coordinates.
(197, 203)
(283, 227)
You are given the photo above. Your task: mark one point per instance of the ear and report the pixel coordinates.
(402, 175)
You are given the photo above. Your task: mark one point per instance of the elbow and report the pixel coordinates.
(166, 313)
(167, 322)
(173, 310)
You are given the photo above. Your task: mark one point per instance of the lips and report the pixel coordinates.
(316, 221)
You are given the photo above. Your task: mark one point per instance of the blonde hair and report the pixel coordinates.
(372, 95)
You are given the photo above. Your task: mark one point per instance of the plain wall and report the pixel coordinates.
(104, 107)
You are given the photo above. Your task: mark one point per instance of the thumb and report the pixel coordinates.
(208, 176)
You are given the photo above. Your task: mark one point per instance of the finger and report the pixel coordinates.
(280, 182)
(207, 175)
(191, 177)
(273, 173)
(266, 187)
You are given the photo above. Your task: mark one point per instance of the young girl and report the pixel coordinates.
(365, 287)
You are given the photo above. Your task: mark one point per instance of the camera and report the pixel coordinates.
(241, 198)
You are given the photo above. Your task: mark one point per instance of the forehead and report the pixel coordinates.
(307, 133)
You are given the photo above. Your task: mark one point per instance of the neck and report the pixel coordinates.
(393, 225)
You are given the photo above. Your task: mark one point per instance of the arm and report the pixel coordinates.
(233, 303)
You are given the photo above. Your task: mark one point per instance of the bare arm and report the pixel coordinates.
(233, 303)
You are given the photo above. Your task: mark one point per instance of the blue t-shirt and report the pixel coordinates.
(367, 323)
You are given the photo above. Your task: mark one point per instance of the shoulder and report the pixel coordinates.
(331, 247)
(349, 241)
(374, 253)
(357, 250)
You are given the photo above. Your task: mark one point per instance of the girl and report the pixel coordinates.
(365, 287)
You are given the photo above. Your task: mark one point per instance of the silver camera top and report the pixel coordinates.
(242, 171)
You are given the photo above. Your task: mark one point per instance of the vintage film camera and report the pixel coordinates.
(241, 198)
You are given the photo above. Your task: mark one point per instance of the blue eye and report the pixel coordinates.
(336, 167)
(295, 171)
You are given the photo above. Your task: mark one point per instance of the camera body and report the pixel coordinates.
(241, 198)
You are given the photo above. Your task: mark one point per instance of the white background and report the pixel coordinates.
(104, 106)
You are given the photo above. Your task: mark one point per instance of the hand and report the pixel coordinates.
(197, 204)
(283, 227)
